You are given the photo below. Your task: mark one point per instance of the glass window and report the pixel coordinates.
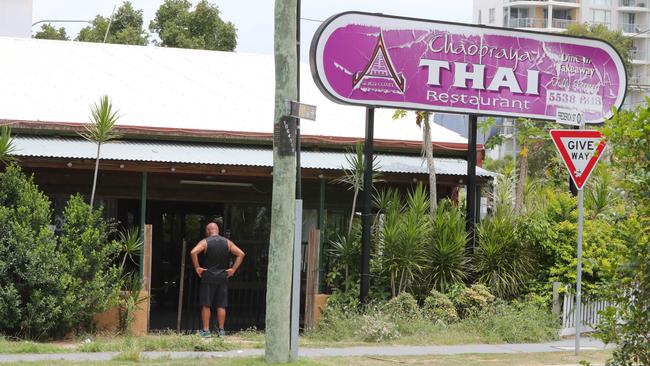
(492, 15)
(250, 222)
(601, 16)
(519, 13)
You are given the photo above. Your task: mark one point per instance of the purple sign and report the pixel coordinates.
(385, 61)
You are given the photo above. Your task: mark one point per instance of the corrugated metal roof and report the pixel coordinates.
(197, 153)
(164, 87)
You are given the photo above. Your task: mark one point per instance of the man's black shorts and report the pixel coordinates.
(214, 294)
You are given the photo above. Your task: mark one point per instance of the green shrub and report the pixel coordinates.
(344, 254)
(502, 262)
(403, 307)
(340, 319)
(376, 327)
(346, 302)
(31, 294)
(403, 236)
(91, 274)
(438, 308)
(470, 300)
(48, 286)
(514, 323)
(627, 324)
(447, 262)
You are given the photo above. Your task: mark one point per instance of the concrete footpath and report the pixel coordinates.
(560, 346)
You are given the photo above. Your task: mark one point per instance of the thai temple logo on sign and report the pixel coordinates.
(580, 150)
(379, 75)
(383, 61)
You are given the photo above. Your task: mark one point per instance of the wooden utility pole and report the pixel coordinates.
(278, 293)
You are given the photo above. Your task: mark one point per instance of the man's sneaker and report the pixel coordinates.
(205, 334)
(222, 333)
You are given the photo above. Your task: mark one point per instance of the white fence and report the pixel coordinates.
(590, 315)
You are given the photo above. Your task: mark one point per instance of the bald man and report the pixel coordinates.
(214, 274)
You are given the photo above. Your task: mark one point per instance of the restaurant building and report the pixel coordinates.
(195, 146)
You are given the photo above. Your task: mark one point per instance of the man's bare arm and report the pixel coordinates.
(239, 254)
(199, 248)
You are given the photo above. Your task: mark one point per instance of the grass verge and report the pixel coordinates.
(522, 359)
(152, 342)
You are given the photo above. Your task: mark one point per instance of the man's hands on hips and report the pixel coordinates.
(230, 272)
(199, 271)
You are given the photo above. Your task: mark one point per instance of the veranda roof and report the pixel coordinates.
(213, 154)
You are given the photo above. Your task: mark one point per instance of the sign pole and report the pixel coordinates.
(578, 307)
(367, 206)
(579, 277)
(471, 181)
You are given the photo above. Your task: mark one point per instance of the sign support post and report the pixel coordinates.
(578, 306)
(471, 182)
(579, 277)
(367, 205)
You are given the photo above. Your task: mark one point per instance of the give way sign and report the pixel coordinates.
(580, 150)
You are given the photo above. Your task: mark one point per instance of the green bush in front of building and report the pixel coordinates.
(51, 285)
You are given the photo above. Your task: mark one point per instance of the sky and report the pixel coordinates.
(254, 18)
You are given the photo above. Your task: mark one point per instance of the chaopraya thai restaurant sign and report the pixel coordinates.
(384, 61)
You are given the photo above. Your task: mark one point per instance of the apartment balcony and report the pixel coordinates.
(639, 82)
(555, 3)
(606, 24)
(633, 28)
(562, 23)
(638, 57)
(539, 23)
(633, 5)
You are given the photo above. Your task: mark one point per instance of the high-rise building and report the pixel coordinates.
(16, 18)
(631, 17)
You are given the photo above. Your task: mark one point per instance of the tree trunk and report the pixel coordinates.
(278, 298)
(521, 182)
(92, 195)
(428, 151)
(354, 208)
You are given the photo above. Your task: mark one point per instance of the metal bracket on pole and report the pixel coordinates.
(295, 287)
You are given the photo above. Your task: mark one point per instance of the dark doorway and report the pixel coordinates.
(248, 225)
(172, 223)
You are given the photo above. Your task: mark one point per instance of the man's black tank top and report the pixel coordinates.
(216, 260)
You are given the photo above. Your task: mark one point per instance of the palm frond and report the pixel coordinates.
(7, 147)
(131, 243)
(102, 122)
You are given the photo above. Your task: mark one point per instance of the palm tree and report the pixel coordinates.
(7, 147)
(353, 176)
(423, 119)
(100, 131)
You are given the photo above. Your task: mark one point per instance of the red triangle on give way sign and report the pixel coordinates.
(580, 150)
